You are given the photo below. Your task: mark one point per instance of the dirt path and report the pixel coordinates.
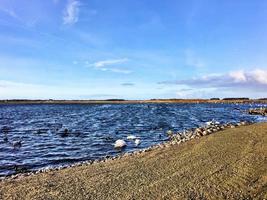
(229, 164)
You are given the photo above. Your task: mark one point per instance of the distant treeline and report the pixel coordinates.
(226, 99)
(173, 99)
(215, 99)
(115, 100)
(231, 99)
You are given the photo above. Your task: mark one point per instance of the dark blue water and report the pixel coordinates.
(94, 128)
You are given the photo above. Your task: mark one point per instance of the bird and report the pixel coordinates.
(131, 137)
(209, 123)
(137, 142)
(120, 144)
(65, 133)
(5, 139)
(17, 144)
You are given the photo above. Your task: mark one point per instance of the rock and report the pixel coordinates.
(199, 133)
(243, 123)
(258, 111)
(169, 133)
(198, 130)
(209, 131)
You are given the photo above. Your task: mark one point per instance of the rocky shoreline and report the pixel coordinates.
(174, 139)
(228, 165)
(258, 111)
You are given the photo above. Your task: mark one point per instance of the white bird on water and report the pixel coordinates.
(137, 142)
(131, 137)
(120, 144)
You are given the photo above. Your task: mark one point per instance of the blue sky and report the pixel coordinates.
(132, 49)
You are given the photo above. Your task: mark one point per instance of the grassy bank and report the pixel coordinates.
(228, 164)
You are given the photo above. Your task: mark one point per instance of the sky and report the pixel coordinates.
(132, 49)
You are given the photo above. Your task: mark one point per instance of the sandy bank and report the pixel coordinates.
(228, 164)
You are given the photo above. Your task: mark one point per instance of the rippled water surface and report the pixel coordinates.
(93, 129)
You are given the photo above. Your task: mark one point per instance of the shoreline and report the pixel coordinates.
(178, 137)
(174, 139)
(228, 164)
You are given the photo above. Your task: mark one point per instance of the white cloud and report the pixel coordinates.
(238, 76)
(253, 80)
(107, 65)
(71, 12)
(260, 76)
(104, 63)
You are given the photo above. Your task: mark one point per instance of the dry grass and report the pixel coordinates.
(229, 164)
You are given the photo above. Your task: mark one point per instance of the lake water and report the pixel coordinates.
(93, 129)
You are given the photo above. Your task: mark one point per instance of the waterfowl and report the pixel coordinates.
(137, 142)
(209, 123)
(131, 137)
(120, 144)
(65, 133)
(5, 139)
(17, 144)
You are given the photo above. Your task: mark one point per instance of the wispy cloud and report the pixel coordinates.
(108, 65)
(128, 84)
(26, 21)
(71, 12)
(10, 12)
(104, 63)
(255, 79)
(117, 70)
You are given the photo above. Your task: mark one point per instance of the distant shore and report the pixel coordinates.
(121, 101)
(229, 164)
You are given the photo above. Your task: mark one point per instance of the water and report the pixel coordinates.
(94, 128)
